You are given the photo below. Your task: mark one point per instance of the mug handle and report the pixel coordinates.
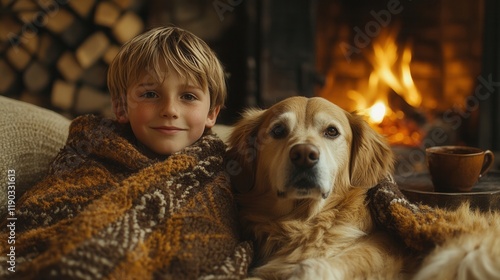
(489, 159)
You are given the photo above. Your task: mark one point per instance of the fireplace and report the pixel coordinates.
(410, 66)
(415, 69)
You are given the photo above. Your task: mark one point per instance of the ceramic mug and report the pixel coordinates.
(457, 168)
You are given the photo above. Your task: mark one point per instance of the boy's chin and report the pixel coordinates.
(156, 153)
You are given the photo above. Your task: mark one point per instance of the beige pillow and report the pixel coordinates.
(30, 137)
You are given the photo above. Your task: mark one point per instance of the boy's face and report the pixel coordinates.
(170, 116)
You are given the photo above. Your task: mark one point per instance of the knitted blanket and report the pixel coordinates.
(106, 210)
(419, 226)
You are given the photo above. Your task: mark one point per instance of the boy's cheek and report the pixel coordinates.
(132, 101)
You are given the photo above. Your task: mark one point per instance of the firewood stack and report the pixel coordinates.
(55, 53)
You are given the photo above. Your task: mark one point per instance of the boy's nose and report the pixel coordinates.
(169, 109)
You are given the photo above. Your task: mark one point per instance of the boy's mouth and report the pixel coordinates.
(168, 129)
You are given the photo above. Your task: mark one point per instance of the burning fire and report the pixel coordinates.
(390, 84)
(385, 60)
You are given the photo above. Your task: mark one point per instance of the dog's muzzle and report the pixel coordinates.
(304, 156)
(304, 177)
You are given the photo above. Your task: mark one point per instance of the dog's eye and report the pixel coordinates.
(332, 132)
(278, 131)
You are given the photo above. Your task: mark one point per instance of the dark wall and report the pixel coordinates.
(489, 81)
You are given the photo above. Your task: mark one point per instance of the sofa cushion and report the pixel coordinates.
(30, 137)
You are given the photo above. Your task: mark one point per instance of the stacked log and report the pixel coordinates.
(56, 53)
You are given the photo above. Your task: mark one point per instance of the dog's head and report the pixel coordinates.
(304, 148)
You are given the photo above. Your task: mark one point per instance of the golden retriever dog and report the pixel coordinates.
(301, 170)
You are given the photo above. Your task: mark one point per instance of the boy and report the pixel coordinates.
(156, 86)
(143, 196)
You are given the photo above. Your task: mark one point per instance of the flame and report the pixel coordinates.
(384, 61)
(389, 97)
(377, 112)
(391, 71)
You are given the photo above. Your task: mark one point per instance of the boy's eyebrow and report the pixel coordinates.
(184, 86)
(191, 86)
(146, 84)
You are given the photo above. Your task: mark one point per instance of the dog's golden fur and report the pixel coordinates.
(302, 169)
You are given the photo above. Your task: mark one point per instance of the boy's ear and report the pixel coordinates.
(212, 117)
(120, 111)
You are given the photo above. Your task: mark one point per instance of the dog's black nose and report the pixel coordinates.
(304, 155)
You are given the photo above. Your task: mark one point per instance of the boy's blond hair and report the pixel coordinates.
(165, 49)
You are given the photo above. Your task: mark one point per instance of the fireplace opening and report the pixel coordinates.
(409, 66)
(418, 70)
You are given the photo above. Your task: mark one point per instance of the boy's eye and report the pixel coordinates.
(149, 94)
(189, 96)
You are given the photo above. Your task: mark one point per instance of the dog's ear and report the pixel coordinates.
(241, 157)
(371, 157)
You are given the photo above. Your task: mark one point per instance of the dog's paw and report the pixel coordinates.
(315, 269)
